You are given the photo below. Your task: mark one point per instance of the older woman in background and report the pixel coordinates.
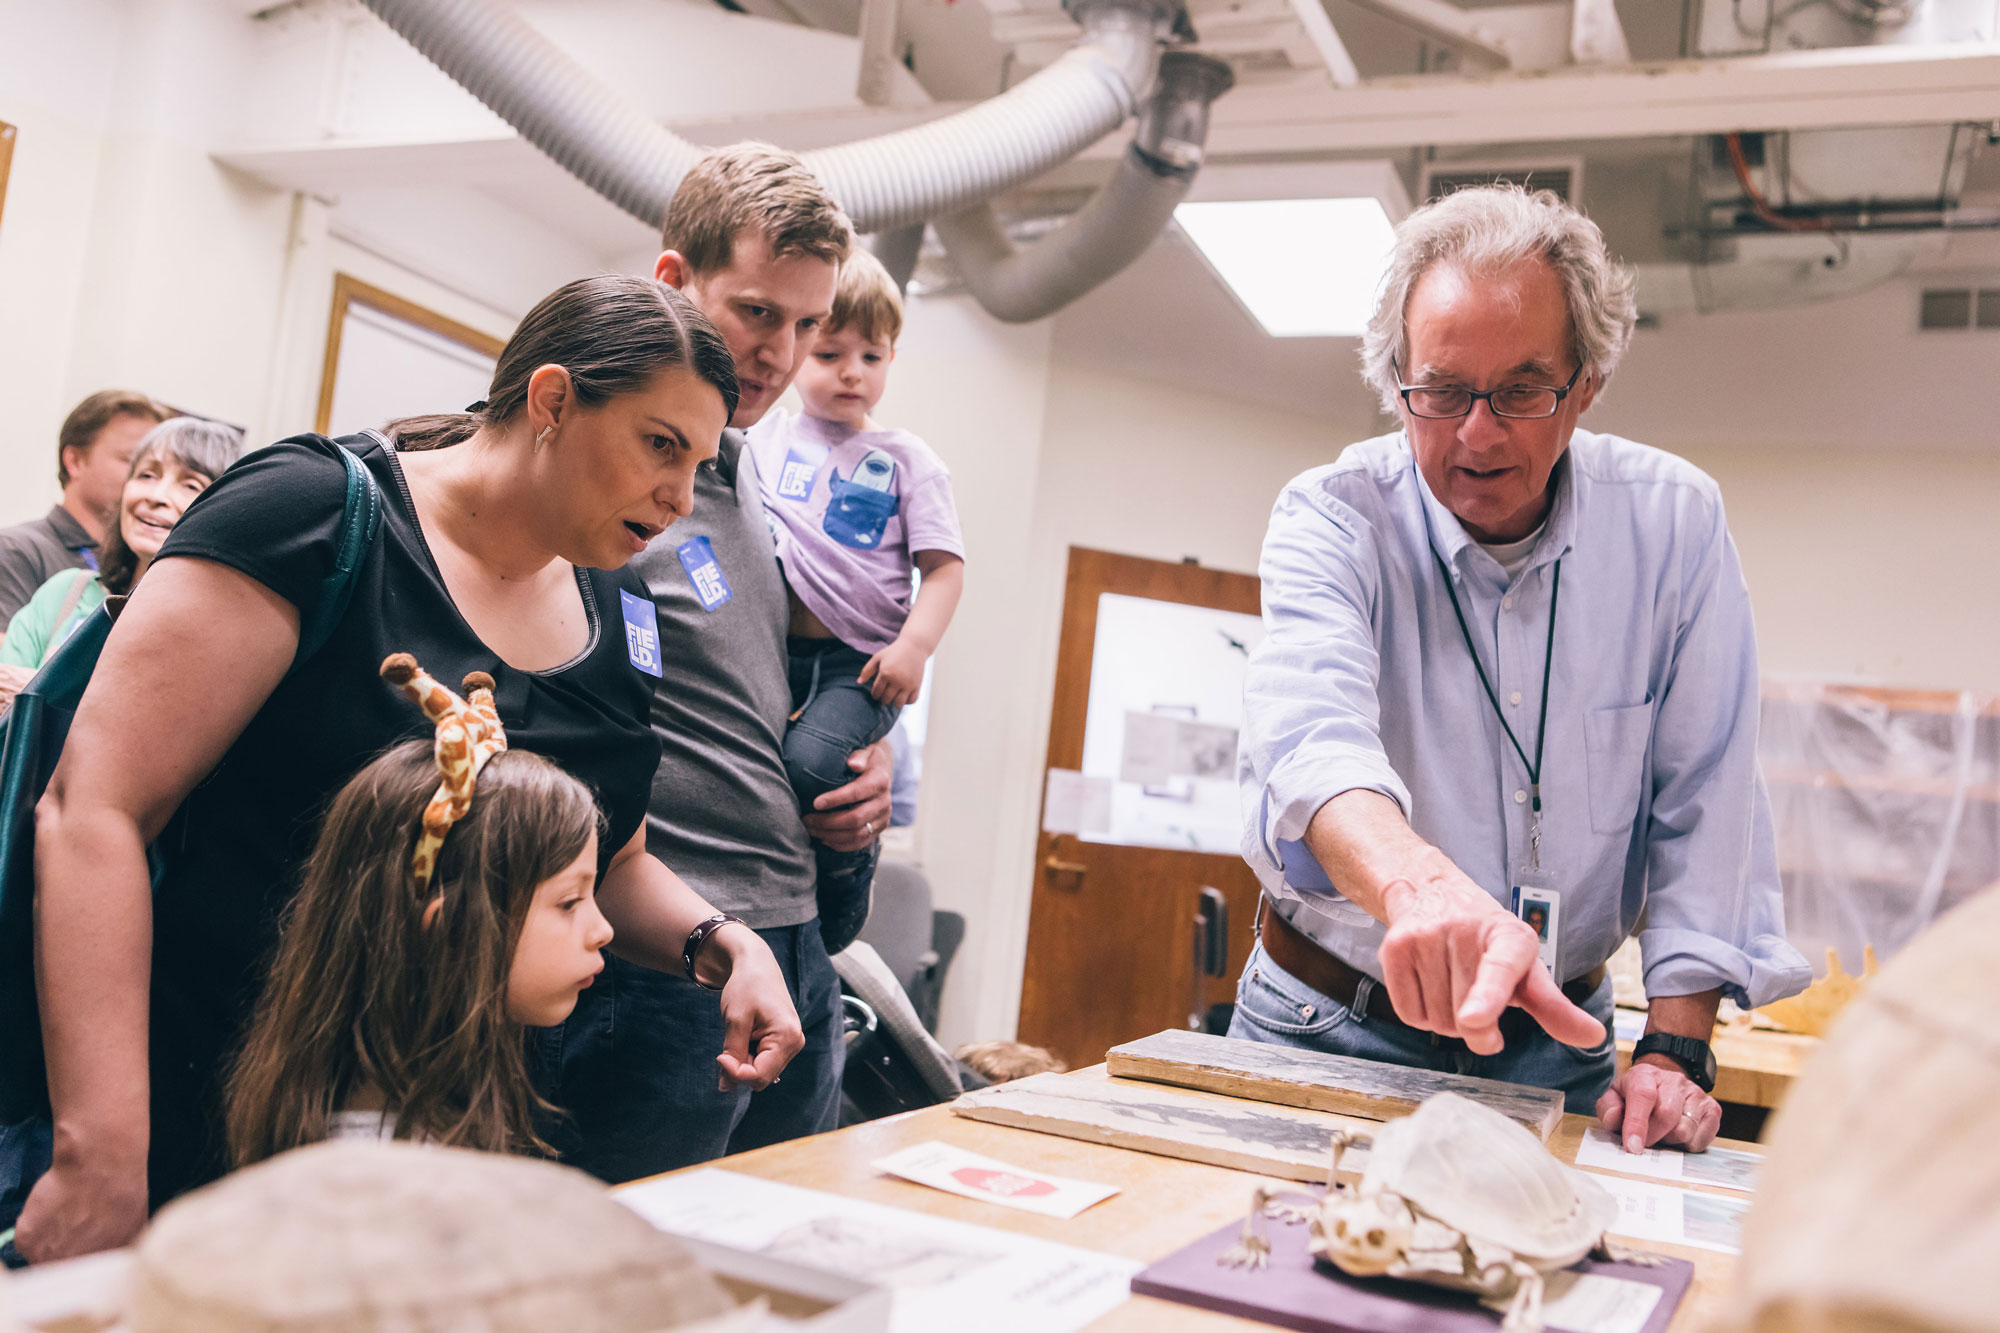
(175, 461)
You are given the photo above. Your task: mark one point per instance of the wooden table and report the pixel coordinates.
(1753, 1066)
(1164, 1204)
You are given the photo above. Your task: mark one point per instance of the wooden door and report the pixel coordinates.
(1111, 931)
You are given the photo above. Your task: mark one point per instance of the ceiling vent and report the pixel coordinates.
(1563, 176)
(1941, 309)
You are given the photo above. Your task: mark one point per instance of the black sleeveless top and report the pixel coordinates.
(244, 833)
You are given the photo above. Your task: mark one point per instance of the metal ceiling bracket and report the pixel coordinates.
(1596, 37)
(1467, 33)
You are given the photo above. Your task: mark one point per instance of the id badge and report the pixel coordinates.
(642, 632)
(1541, 909)
(698, 559)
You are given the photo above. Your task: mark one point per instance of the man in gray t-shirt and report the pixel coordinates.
(753, 239)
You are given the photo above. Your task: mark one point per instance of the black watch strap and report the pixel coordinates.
(1690, 1053)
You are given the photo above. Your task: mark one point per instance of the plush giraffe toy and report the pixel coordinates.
(468, 734)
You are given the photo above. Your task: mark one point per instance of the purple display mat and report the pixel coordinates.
(1293, 1292)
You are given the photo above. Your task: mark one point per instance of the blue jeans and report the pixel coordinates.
(25, 1149)
(835, 716)
(635, 1073)
(1275, 1006)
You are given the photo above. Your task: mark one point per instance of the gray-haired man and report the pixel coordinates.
(1508, 699)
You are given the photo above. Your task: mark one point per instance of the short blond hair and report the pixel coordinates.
(867, 300)
(759, 188)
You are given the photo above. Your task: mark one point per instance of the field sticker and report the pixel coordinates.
(956, 1171)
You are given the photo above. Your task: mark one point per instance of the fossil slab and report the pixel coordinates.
(1340, 1084)
(1281, 1141)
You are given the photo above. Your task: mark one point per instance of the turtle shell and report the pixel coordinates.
(352, 1237)
(1478, 1172)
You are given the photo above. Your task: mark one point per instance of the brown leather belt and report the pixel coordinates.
(1294, 950)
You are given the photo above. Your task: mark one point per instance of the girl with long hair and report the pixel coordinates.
(398, 1001)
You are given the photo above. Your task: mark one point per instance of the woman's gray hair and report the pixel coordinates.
(193, 443)
(1488, 229)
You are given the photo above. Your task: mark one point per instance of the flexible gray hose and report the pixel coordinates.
(553, 102)
(947, 165)
(1118, 224)
(893, 180)
(1101, 239)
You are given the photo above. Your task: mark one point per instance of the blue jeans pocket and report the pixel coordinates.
(1272, 999)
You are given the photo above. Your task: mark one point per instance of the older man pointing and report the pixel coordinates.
(1507, 704)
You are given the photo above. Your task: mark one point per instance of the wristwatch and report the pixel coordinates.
(1690, 1053)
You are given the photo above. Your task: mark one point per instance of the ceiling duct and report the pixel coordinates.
(1790, 217)
(939, 169)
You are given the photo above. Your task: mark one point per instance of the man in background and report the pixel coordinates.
(93, 453)
(754, 240)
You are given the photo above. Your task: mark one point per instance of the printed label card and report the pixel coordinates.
(1594, 1303)
(956, 1171)
(1677, 1217)
(1724, 1168)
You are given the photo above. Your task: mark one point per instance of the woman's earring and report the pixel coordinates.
(543, 438)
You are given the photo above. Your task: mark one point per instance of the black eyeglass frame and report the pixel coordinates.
(1475, 396)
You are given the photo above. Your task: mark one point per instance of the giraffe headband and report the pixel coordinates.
(468, 734)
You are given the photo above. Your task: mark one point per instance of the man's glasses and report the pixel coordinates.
(1523, 402)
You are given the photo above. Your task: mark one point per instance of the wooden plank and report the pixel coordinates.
(1170, 1122)
(1340, 1084)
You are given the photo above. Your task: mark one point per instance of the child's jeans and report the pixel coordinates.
(833, 716)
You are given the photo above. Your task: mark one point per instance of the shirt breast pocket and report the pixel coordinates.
(1615, 741)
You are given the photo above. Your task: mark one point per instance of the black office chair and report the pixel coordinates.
(916, 941)
(893, 1062)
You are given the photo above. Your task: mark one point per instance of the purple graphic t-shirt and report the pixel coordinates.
(849, 509)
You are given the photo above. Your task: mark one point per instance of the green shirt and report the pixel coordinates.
(50, 617)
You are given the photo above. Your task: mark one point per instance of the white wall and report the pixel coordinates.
(978, 391)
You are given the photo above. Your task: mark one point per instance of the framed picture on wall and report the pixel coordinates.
(8, 134)
(388, 357)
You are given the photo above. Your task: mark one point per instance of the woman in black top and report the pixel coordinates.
(501, 536)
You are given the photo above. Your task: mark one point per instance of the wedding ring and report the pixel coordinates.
(871, 828)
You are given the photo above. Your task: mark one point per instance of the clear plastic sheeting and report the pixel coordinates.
(1887, 808)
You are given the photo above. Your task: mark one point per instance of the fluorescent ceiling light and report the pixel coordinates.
(1303, 268)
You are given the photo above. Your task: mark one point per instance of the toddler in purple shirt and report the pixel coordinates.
(854, 507)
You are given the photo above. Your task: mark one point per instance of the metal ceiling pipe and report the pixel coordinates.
(890, 181)
(894, 181)
(1118, 224)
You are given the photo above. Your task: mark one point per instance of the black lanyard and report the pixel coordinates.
(1548, 665)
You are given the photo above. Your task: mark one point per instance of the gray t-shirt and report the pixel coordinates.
(34, 552)
(723, 815)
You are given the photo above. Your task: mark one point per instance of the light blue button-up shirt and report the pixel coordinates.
(1650, 793)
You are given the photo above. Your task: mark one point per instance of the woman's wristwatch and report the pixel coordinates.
(699, 937)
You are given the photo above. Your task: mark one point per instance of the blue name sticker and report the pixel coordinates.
(642, 632)
(801, 469)
(698, 559)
